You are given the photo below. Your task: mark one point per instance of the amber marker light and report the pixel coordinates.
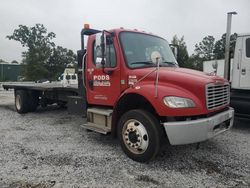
(86, 26)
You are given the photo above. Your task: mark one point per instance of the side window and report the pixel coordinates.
(110, 54)
(73, 77)
(248, 47)
(67, 77)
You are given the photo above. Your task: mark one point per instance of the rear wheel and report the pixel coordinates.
(21, 101)
(140, 135)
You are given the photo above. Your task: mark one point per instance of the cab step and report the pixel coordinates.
(100, 111)
(99, 120)
(96, 128)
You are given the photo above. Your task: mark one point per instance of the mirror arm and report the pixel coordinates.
(103, 48)
(111, 33)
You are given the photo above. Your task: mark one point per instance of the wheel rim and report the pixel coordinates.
(135, 136)
(18, 102)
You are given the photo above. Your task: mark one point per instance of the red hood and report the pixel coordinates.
(175, 82)
(188, 79)
(191, 74)
(180, 75)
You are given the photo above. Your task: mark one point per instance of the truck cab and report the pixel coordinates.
(240, 88)
(69, 77)
(135, 90)
(241, 66)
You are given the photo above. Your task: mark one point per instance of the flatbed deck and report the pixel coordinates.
(29, 95)
(39, 86)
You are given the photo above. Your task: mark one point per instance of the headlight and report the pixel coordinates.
(178, 102)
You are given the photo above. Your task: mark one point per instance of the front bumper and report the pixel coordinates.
(193, 131)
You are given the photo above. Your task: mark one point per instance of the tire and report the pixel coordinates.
(21, 101)
(140, 135)
(33, 101)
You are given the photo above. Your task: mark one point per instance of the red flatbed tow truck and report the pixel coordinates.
(130, 85)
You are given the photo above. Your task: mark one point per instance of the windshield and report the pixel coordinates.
(139, 50)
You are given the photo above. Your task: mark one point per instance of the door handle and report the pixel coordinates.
(239, 59)
(91, 84)
(243, 71)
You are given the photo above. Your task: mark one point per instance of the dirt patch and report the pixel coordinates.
(147, 179)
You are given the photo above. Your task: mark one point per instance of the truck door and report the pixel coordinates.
(103, 84)
(245, 64)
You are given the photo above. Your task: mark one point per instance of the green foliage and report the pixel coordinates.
(195, 62)
(219, 48)
(182, 55)
(203, 52)
(33, 37)
(14, 62)
(205, 48)
(40, 59)
(183, 58)
(59, 59)
(208, 49)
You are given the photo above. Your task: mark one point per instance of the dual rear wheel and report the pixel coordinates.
(26, 101)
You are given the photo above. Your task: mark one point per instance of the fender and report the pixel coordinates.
(147, 90)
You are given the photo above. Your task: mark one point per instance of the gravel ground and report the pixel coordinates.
(48, 148)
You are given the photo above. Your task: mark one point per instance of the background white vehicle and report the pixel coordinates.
(69, 77)
(239, 74)
(216, 67)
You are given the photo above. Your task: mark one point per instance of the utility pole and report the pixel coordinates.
(227, 47)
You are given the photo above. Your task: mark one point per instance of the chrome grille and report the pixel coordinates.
(217, 95)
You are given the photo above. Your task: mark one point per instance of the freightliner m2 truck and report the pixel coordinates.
(130, 85)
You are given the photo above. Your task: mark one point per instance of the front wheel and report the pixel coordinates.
(139, 134)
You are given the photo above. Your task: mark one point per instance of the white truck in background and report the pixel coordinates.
(239, 74)
(216, 67)
(69, 77)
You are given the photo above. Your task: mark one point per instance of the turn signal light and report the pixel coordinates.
(86, 26)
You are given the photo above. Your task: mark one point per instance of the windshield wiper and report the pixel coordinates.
(143, 62)
(162, 64)
(169, 63)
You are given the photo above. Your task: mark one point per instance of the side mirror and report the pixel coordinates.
(100, 48)
(215, 66)
(174, 49)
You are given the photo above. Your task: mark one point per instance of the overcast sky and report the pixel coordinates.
(194, 19)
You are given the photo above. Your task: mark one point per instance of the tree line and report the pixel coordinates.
(207, 49)
(43, 59)
(12, 62)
